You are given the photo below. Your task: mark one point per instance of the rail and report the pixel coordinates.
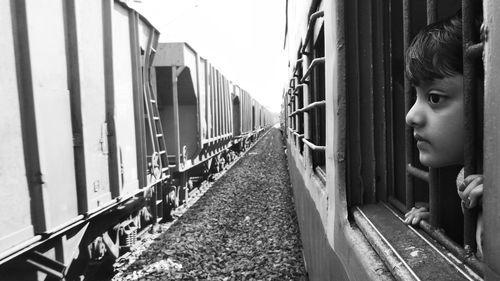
(312, 21)
(313, 146)
(314, 63)
(308, 107)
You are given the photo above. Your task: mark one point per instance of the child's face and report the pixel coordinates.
(438, 122)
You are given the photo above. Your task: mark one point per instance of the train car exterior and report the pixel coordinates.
(77, 127)
(353, 164)
(200, 109)
(97, 142)
(199, 96)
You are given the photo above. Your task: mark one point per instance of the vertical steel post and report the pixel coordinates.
(410, 200)
(434, 197)
(431, 11)
(470, 115)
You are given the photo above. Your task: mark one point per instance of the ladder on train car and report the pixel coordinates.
(158, 165)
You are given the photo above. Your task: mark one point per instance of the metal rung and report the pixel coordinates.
(474, 51)
(164, 169)
(297, 88)
(159, 135)
(309, 107)
(172, 166)
(314, 63)
(423, 175)
(156, 117)
(47, 265)
(313, 146)
(153, 100)
(310, 28)
(299, 61)
(153, 50)
(163, 152)
(158, 202)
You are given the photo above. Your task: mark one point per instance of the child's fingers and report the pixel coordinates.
(474, 196)
(475, 182)
(467, 181)
(410, 212)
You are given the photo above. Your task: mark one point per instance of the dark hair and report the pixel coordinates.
(435, 52)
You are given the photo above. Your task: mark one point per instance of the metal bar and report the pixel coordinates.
(431, 11)
(297, 88)
(310, 28)
(47, 265)
(314, 63)
(453, 247)
(416, 172)
(410, 202)
(474, 51)
(298, 135)
(470, 147)
(308, 107)
(299, 61)
(434, 198)
(313, 105)
(313, 146)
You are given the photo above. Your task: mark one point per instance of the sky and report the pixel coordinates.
(241, 38)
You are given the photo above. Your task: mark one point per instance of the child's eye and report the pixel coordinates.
(434, 99)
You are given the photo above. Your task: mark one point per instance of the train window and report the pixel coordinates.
(309, 87)
(299, 93)
(317, 96)
(383, 158)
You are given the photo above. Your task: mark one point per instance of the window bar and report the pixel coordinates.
(416, 172)
(314, 63)
(410, 201)
(313, 146)
(311, 106)
(431, 11)
(292, 82)
(471, 159)
(310, 28)
(299, 86)
(297, 64)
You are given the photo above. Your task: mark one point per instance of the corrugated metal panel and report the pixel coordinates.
(124, 102)
(58, 201)
(14, 192)
(92, 89)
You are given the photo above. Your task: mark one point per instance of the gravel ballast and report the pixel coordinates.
(244, 227)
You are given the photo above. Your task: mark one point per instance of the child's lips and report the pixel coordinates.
(421, 141)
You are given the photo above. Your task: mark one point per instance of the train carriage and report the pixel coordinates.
(353, 164)
(95, 135)
(73, 132)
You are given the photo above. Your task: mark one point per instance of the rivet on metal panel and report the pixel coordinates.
(97, 186)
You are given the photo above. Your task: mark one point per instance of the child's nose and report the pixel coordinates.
(414, 117)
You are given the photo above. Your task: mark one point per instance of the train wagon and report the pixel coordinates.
(354, 164)
(74, 152)
(204, 114)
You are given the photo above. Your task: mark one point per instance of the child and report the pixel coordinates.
(434, 67)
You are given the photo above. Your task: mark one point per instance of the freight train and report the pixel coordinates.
(353, 162)
(104, 131)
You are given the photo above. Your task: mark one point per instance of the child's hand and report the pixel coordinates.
(415, 215)
(471, 191)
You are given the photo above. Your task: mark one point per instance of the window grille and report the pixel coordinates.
(473, 96)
